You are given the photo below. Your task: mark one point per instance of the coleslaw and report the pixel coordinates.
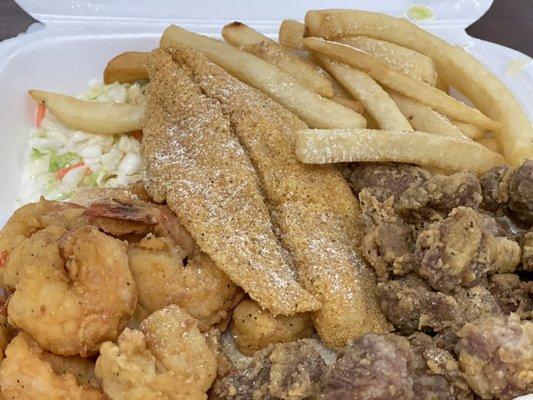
(59, 160)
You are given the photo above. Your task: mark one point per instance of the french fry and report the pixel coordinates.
(308, 74)
(401, 58)
(324, 146)
(239, 34)
(338, 90)
(400, 82)
(315, 110)
(349, 103)
(423, 118)
(341, 96)
(370, 121)
(291, 33)
(127, 67)
(469, 130)
(303, 70)
(366, 90)
(458, 68)
(442, 84)
(300, 67)
(89, 116)
(490, 143)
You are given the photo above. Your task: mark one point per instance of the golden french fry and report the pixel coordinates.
(458, 68)
(370, 121)
(89, 116)
(400, 82)
(401, 58)
(304, 71)
(365, 89)
(341, 96)
(315, 110)
(490, 143)
(291, 33)
(469, 130)
(423, 118)
(442, 84)
(299, 65)
(127, 67)
(338, 90)
(324, 146)
(238, 34)
(349, 103)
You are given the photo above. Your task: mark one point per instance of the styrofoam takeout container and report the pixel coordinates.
(77, 37)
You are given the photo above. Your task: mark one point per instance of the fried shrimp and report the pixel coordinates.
(170, 269)
(163, 277)
(87, 195)
(80, 368)
(74, 293)
(120, 217)
(33, 217)
(139, 315)
(29, 372)
(168, 358)
(254, 328)
(5, 335)
(40, 249)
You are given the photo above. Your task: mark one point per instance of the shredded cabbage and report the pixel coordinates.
(53, 152)
(59, 161)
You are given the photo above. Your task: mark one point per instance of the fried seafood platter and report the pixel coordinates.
(314, 218)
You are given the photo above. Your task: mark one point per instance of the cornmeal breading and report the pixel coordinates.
(312, 206)
(195, 163)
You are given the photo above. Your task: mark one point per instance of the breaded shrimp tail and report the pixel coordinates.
(312, 206)
(195, 162)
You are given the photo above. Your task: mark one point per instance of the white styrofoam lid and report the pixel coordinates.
(462, 12)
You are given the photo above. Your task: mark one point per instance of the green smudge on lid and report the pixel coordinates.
(420, 12)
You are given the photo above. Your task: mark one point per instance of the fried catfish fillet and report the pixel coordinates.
(312, 207)
(195, 162)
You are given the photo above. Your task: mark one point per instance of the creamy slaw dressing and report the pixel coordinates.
(59, 160)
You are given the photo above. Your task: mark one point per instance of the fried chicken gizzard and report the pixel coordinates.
(431, 225)
(453, 244)
(280, 371)
(410, 305)
(372, 367)
(507, 189)
(451, 268)
(496, 356)
(417, 194)
(460, 250)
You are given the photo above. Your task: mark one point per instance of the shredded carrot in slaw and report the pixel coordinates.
(40, 114)
(60, 173)
(138, 134)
